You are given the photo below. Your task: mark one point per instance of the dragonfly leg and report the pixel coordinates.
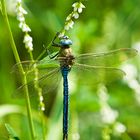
(53, 41)
(52, 56)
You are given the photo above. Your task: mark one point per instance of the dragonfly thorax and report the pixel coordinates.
(66, 57)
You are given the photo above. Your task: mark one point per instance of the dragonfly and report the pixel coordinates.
(100, 68)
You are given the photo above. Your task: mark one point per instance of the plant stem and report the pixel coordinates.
(31, 56)
(9, 32)
(43, 125)
(24, 79)
(28, 105)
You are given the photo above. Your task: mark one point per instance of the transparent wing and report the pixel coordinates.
(29, 66)
(93, 75)
(47, 82)
(48, 76)
(111, 58)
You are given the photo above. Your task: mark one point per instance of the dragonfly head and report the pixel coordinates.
(65, 41)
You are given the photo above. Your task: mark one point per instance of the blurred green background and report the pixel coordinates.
(103, 25)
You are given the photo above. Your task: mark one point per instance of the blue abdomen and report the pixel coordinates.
(65, 71)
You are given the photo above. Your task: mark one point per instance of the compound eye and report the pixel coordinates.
(65, 41)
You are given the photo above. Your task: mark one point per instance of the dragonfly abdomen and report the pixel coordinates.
(65, 71)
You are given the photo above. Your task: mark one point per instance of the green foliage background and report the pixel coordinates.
(103, 25)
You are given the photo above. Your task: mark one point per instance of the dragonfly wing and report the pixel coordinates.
(93, 75)
(28, 65)
(111, 58)
(50, 81)
(29, 68)
(47, 80)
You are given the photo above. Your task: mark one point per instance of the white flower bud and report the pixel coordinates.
(27, 38)
(66, 27)
(21, 10)
(20, 18)
(28, 42)
(41, 98)
(25, 28)
(78, 6)
(119, 128)
(61, 34)
(71, 23)
(75, 15)
(43, 108)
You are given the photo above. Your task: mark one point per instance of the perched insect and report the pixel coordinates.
(100, 68)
